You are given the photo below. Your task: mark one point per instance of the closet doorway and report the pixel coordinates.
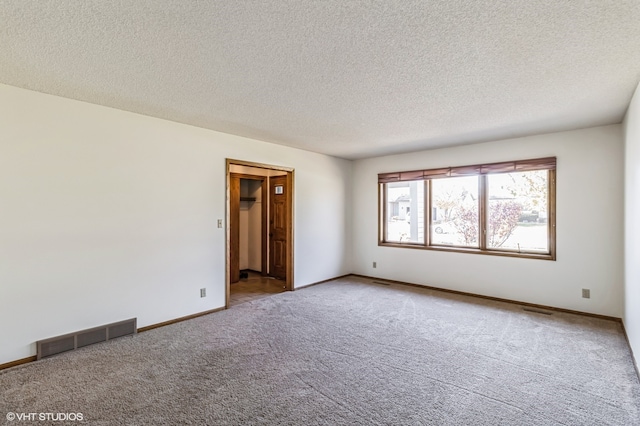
(259, 230)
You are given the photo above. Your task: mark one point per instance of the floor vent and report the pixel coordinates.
(380, 282)
(537, 311)
(80, 339)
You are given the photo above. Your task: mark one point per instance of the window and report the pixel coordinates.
(455, 212)
(503, 209)
(517, 211)
(401, 199)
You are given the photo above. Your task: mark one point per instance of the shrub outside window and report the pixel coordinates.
(505, 208)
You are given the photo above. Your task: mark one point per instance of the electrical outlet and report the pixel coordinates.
(586, 293)
(203, 292)
(219, 223)
(375, 264)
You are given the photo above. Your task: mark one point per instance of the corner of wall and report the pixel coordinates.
(631, 283)
(350, 219)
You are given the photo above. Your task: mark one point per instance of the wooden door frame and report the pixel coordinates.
(290, 174)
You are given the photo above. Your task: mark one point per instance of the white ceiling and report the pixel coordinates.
(347, 78)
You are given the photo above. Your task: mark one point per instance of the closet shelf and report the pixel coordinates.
(247, 198)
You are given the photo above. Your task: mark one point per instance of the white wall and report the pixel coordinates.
(244, 236)
(589, 225)
(251, 226)
(254, 220)
(106, 215)
(631, 317)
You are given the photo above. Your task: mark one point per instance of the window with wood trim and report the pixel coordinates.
(505, 208)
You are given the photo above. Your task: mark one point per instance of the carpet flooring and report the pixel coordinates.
(346, 352)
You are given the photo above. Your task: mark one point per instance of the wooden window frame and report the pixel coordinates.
(481, 171)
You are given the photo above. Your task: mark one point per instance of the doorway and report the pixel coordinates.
(259, 230)
(248, 224)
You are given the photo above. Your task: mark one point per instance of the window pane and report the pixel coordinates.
(405, 211)
(454, 214)
(517, 211)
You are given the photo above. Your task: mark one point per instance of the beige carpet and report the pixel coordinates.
(345, 352)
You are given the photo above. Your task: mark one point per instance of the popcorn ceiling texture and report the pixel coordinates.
(352, 79)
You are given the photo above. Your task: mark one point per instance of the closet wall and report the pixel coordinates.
(250, 225)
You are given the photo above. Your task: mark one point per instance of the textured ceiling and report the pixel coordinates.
(347, 78)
